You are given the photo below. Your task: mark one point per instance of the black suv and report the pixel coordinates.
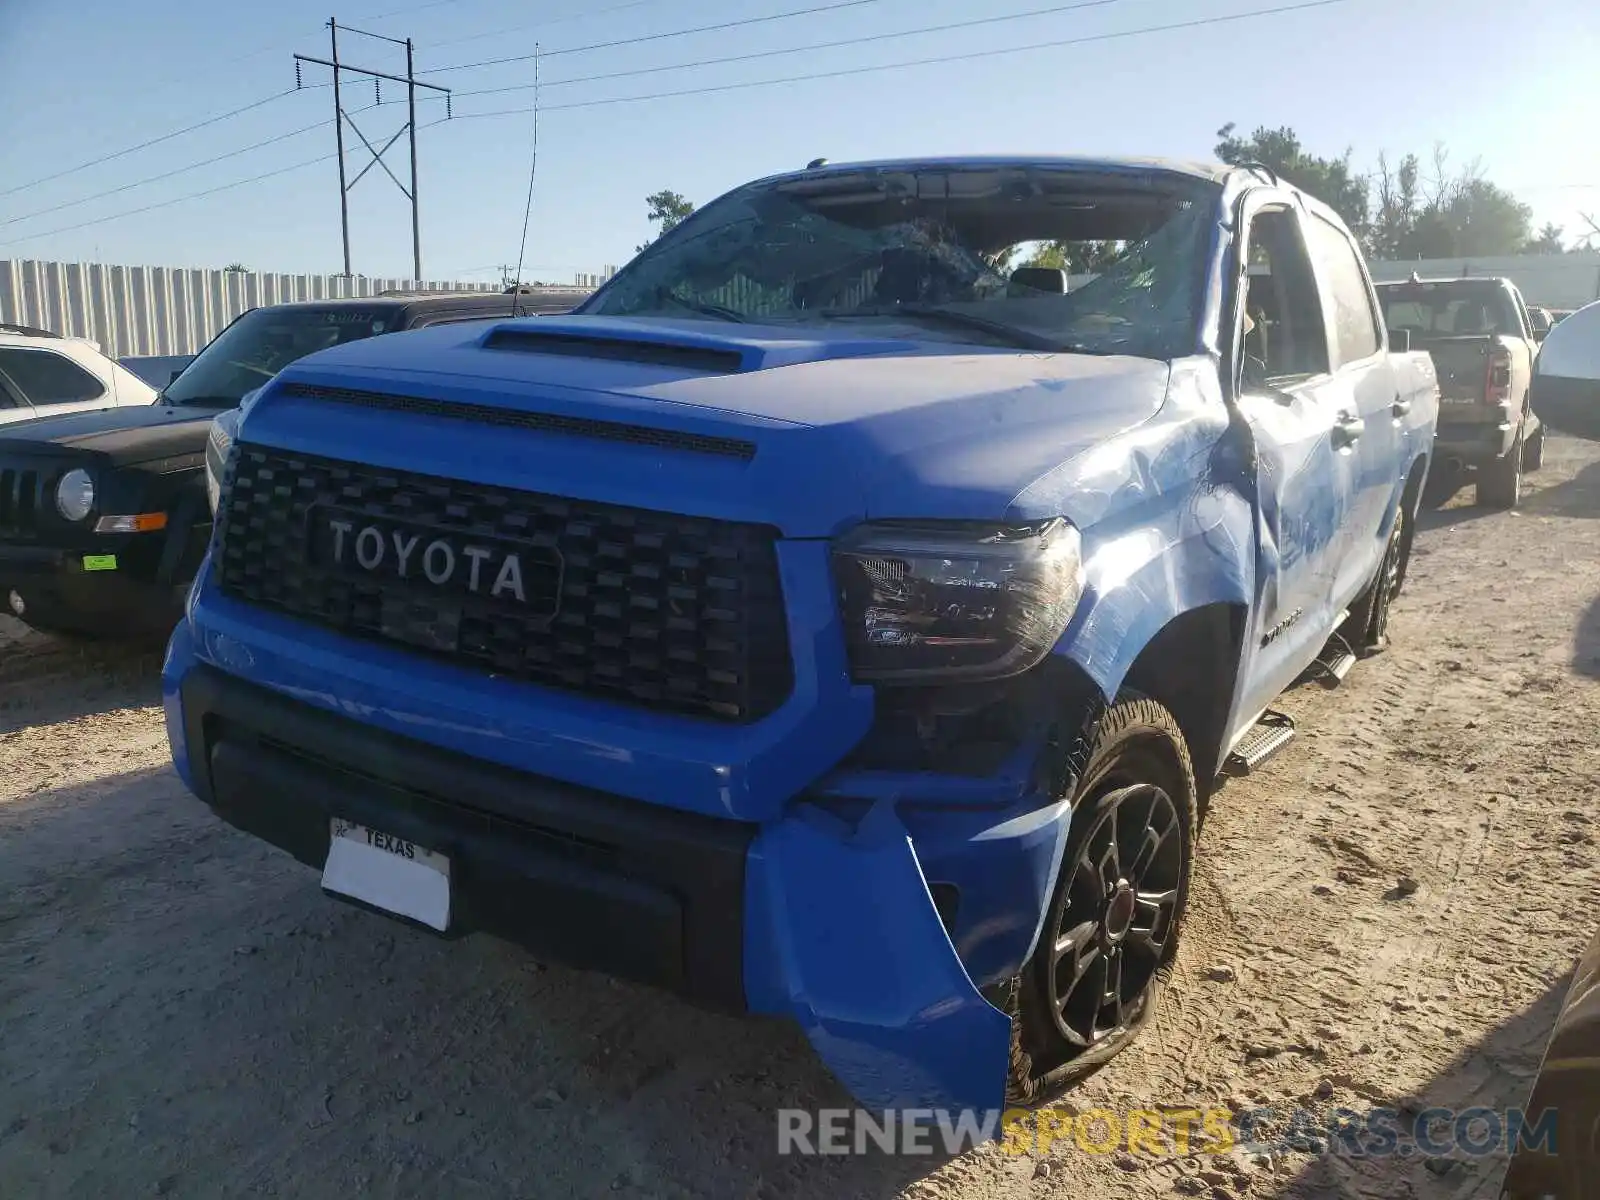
(103, 514)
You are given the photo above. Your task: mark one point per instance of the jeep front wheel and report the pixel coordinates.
(1111, 928)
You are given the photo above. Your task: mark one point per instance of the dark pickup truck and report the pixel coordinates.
(103, 513)
(1483, 346)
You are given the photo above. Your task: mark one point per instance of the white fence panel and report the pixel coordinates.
(165, 310)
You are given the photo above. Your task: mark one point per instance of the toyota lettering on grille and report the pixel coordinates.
(428, 574)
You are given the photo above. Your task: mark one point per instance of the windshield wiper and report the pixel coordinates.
(699, 306)
(955, 318)
(200, 401)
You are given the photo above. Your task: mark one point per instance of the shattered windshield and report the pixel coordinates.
(1035, 258)
(261, 343)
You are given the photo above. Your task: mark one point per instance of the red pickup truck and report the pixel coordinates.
(1483, 346)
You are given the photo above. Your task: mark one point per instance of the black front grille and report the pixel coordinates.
(19, 502)
(670, 612)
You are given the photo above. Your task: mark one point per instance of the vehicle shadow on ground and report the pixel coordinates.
(1495, 1073)
(187, 1014)
(1575, 497)
(45, 679)
(1586, 642)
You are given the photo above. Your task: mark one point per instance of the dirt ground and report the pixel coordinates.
(182, 1013)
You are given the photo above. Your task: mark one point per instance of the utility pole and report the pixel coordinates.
(338, 138)
(411, 125)
(340, 117)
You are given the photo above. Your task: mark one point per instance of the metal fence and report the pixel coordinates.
(166, 310)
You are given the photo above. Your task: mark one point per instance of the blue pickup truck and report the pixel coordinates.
(832, 618)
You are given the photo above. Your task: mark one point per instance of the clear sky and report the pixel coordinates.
(1514, 85)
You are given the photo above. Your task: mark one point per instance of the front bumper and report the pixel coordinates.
(107, 582)
(643, 893)
(815, 902)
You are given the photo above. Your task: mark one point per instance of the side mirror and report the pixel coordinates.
(1399, 341)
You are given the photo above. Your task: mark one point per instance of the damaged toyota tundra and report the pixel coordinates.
(843, 616)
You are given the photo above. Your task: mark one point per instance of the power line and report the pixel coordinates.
(752, 56)
(749, 57)
(400, 12)
(969, 56)
(155, 141)
(220, 117)
(578, 16)
(133, 212)
(835, 6)
(310, 162)
(164, 175)
(728, 87)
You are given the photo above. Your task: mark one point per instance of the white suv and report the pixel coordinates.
(42, 374)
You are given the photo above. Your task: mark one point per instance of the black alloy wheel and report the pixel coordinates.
(1110, 930)
(1120, 913)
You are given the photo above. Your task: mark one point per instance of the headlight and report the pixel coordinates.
(928, 603)
(75, 494)
(218, 442)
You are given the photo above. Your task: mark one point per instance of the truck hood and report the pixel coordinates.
(124, 436)
(805, 429)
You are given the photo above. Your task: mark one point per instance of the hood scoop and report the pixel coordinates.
(488, 414)
(709, 360)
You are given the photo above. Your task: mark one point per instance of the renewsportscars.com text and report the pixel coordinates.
(1367, 1133)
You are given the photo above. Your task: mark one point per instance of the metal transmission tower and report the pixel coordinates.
(340, 117)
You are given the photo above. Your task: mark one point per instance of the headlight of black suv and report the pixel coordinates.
(949, 603)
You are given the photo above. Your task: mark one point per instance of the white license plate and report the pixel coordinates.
(388, 872)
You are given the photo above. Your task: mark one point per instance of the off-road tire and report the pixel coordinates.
(1367, 628)
(1533, 451)
(1135, 750)
(1500, 482)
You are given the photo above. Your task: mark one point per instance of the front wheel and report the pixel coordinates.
(1111, 929)
(1367, 628)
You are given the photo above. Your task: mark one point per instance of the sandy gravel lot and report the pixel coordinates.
(183, 1014)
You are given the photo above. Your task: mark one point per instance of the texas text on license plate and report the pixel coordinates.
(388, 872)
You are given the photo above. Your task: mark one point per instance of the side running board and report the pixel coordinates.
(1336, 664)
(1271, 733)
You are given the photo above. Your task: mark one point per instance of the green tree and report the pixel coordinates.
(1076, 258)
(668, 210)
(236, 268)
(1331, 180)
(1484, 219)
(1450, 214)
(1549, 241)
(1394, 220)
